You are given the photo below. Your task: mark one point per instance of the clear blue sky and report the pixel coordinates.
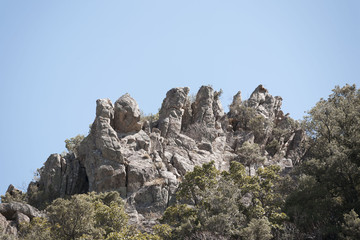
(58, 57)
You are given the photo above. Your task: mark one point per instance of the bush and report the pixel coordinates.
(73, 144)
(87, 216)
(351, 226)
(37, 229)
(257, 229)
(225, 203)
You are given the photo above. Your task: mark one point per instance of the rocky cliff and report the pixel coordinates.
(146, 160)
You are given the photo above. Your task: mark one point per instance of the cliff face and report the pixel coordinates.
(145, 161)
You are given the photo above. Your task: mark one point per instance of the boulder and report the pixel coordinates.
(9, 210)
(21, 218)
(265, 104)
(127, 115)
(171, 112)
(8, 228)
(3, 223)
(139, 171)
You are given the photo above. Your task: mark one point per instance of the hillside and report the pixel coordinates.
(149, 160)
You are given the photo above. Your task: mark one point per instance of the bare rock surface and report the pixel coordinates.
(146, 166)
(9, 210)
(127, 115)
(172, 110)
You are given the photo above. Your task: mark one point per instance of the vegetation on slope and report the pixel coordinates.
(319, 199)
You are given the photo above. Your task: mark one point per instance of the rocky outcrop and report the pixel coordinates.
(207, 114)
(172, 110)
(126, 115)
(265, 104)
(11, 210)
(61, 176)
(100, 152)
(13, 214)
(8, 227)
(146, 163)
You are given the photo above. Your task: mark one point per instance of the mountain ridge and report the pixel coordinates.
(145, 160)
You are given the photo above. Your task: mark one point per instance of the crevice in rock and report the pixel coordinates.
(83, 180)
(190, 158)
(126, 178)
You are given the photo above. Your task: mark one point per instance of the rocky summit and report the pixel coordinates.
(145, 158)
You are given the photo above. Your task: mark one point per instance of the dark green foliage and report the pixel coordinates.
(244, 116)
(351, 226)
(257, 229)
(72, 218)
(257, 125)
(226, 203)
(329, 177)
(250, 154)
(36, 197)
(247, 119)
(86, 216)
(37, 229)
(195, 182)
(17, 197)
(272, 147)
(322, 193)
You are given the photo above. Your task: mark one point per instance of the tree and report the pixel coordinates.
(196, 181)
(37, 229)
(225, 203)
(257, 229)
(351, 226)
(111, 217)
(71, 218)
(329, 177)
(73, 143)
(87, 216)
(250, 154)
(13, 195)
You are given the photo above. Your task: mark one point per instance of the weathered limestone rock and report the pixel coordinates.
(206, 116)
(104, 108)
(13, 214)
(140, 171)
(127, 115)
(21, 218)
(296, 149)
(8, 227)
(264, 103)
(171, 112)
(3, 223)
(203, 107)
(51, 175)
(235, 103)
(9, 210)
(100, 152)
(217, 106)
(62, 175)
(146, 163)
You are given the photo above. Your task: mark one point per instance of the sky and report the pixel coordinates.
(58, 57)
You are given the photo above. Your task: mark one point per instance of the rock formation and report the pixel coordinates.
(14, 213)
(146, 161)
